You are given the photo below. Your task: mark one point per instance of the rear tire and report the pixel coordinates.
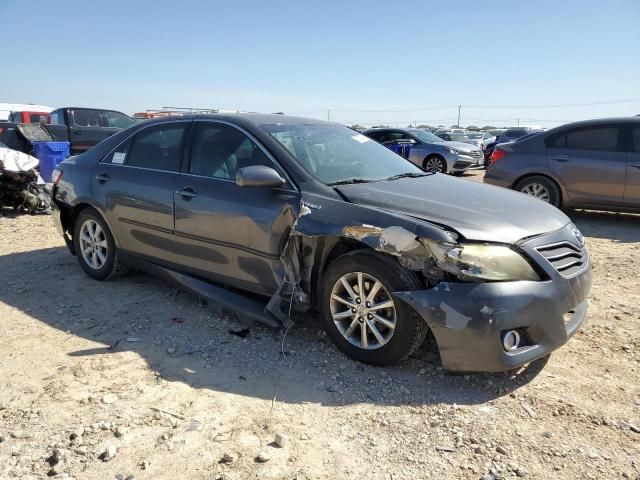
(435, 163)
(542, 188)
(383, 345)
(95, 247)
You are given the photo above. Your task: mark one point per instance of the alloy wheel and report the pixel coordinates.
(537, 190)
(93, 244)
(434, 164)
(363, 310)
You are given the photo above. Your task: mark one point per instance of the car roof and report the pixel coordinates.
(243, 118)
(402, 129)
(595, 122)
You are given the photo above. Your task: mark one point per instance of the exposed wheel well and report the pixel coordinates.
(341, 247)
(551, 179)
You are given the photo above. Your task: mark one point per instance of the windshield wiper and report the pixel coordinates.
(409, 175)
(349, 181)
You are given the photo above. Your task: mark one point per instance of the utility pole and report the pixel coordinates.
(459, 107)
(518, 122)
(328, 115)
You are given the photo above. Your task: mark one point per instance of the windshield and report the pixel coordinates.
(460, 138)
(333, 153)
(475, 136)
(425, 136)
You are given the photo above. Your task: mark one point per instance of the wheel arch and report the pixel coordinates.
(561, 188)
(70, 216)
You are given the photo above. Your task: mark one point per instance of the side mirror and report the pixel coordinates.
(258, 176)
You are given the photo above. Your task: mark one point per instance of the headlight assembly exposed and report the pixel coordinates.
(481, 262)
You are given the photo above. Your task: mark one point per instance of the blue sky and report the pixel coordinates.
(369, 62)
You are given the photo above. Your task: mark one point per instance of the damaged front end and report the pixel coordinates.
(475, 294)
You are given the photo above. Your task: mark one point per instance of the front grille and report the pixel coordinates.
(473, 153)
(566, 257)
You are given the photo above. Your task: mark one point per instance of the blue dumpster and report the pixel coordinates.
(50, 155)
(401, 148)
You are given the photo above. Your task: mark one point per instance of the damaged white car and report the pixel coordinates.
(273, 215)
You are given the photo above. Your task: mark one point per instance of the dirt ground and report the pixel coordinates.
(131, 378)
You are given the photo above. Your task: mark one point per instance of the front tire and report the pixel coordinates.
(360, 314)
(542, 188)
(435, 163)
(95, 247)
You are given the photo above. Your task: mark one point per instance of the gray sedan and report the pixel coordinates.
(593, 164)
(273, 216)
(429, 152)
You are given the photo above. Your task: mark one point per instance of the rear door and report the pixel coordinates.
(591, 163)
(632, 188)
(231, 234)
(135, 185)
(86, 128)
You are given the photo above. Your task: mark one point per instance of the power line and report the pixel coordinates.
(566, 105)
(445, 107)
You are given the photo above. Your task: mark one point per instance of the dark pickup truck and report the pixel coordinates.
(82, 127)
(85, 127)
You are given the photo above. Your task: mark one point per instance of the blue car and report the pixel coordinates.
(427, 151)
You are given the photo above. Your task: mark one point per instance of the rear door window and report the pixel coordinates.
(157, 148)
(600, 138)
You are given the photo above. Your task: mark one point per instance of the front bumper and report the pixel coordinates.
(461, 163)
(469, 319)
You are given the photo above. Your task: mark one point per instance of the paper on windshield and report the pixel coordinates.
(361, 138)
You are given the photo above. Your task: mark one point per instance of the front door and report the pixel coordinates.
(136, 183)
(591, 163)
(224, 232)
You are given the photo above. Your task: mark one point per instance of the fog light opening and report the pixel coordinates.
(511, 340)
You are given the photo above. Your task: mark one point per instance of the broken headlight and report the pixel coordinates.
(480, 261)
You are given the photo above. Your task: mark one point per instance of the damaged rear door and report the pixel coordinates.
(224, 232)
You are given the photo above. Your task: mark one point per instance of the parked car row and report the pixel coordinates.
(426, 150)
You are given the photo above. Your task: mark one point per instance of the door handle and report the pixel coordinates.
(637, 165)
(560, 158)
(187, 193)
(103, 177)
(77, 132)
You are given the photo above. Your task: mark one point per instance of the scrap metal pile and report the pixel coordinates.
(21, 187)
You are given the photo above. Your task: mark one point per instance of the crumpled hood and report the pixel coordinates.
(476, 211)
